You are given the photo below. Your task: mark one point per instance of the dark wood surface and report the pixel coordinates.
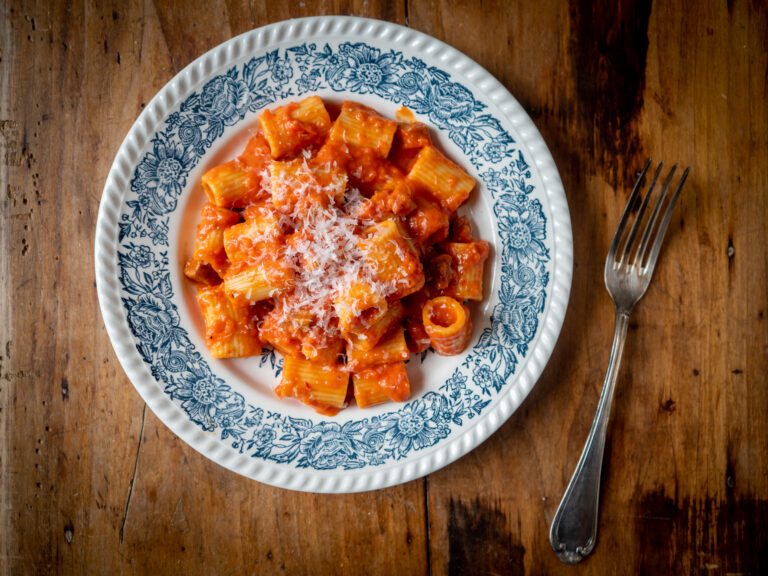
(92, 482)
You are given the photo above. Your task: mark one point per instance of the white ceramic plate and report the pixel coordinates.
(226, 409)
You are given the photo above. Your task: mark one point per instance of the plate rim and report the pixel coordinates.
(115, 317)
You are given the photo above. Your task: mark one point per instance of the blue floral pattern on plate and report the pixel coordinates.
(153, 318)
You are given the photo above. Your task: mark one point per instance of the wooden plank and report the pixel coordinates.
(684, 487)
(9, 148)
(90, 479)
(214, 518)
(70, 419)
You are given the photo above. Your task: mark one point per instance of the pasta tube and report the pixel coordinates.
(392, 257)
(229, 329)
(447, 324)
(231, 185)
(467, 259)
(209, 243)
(362, 127)
(367, 335)
(381, 383)
(322, 386)
(391, 348)
(441, 178)
(294, 125)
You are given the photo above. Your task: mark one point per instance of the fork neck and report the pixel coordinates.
(622, 313)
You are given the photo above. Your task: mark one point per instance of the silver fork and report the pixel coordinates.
(628, 273)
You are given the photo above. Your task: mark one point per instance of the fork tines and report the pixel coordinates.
(631, 253)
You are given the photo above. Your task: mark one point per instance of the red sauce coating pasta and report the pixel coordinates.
(333, 238)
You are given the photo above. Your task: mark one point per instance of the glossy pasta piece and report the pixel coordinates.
(467, 259)
(257, 154)
(229, 329)
(381, 383)
(298, 185)
(232, 185)
(247, 283)
(447, 324)
(322, 386)
(363, 127)
(393, 258)
(391, 348)
(263, 211)
(358, 304)
(249, 241)
(365, 335)
(395, 270)
(447, 182)
(294, 126)
(209, 243)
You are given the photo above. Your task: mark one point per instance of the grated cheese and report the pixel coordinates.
(323, 248)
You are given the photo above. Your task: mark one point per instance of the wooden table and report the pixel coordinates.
(92, 482)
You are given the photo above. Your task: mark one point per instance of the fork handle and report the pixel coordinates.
(574, 529)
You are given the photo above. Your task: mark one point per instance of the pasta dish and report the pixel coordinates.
(333, 238)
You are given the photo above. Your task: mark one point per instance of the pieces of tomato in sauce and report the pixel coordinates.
(201, 272)
(438, 271)
(409, 139)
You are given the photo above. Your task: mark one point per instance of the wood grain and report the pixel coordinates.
(92, 482)
(684, 486)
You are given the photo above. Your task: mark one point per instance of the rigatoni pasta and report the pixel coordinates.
(230, 332)
(447, 324)
(295, 125)
(231, 185)
(380, 383)
(448, 183)
(361, 127)
(322, 386)
(333, 238)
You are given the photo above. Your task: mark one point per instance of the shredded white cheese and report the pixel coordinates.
(323, 249)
